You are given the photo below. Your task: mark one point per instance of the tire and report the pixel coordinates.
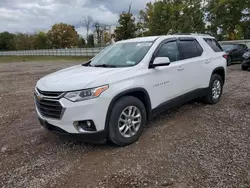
(210, 97)
(229, 61)
(244, 68)
(123, 105)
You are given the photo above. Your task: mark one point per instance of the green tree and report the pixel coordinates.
(127, 27)
(91, 41)
(144, 20)
(172, 16)
(106, 37)
(7, 41)
(63, 36)
(226, 17)
(24, 41)
(81, 42)
(246, 29)
(41, 40)
(191, 19)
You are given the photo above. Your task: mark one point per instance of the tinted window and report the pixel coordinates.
(214, 45)
(241, 46)
(190, 49)
(169, 50)
(227, 47)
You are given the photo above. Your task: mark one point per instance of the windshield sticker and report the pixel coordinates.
(144, 44)
(130, 62)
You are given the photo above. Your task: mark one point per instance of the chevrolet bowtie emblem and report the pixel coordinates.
(39, 97)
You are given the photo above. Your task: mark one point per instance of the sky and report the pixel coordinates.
(35, 15)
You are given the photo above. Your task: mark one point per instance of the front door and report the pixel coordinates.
(163, 83)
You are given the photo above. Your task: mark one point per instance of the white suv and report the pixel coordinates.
(114, 94)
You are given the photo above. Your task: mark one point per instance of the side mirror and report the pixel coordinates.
(160, 61)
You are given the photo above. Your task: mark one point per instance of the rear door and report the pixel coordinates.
(215, 59)
(191, 58)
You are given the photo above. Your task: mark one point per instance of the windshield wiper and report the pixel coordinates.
(105, 65)
(86, 64)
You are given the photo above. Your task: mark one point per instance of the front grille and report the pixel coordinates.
(49, 108)
(50, 94)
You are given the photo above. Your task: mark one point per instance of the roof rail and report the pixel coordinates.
(196, 34)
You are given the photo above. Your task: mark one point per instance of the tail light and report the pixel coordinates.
(225, 56)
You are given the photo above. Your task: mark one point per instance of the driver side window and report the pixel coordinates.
(170, 50)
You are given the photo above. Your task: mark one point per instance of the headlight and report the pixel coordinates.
(85, 94)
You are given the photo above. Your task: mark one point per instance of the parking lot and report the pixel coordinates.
(195, 145)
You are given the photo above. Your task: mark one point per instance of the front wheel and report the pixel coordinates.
(215, 90)
(127, 120)
(244, 68)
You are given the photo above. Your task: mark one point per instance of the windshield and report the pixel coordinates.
(121, 54)
(227, 47)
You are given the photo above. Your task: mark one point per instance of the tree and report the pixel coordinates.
(246, 29)
(24, 41)
(191, 19)
(7, 41)
(87, 22)
(63, 36)
(99, 29)
(106, 37)
(91, 42)
(81, 42)
(41, 40)
(175, 16)
(127, 27)
(226, 17)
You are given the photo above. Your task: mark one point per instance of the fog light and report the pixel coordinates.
(87, 125)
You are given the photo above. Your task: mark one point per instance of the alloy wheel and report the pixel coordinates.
(216, 90)
(129, 121)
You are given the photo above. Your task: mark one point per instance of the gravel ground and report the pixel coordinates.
(196, 145)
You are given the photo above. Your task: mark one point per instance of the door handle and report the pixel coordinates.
(180, 69)
(207, 62)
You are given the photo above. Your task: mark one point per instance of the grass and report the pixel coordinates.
(8, 59)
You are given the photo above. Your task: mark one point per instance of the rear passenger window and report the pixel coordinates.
(242, 46)
(190, 49)
(214, 44)
(170, 50)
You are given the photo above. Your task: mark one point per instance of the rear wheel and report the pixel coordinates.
(229, 61)
(215, 90)
(127, 120)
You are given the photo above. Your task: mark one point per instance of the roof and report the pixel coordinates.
(153, 38)
(140, 39)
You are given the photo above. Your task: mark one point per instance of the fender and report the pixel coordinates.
(124, 93)
(220, 70)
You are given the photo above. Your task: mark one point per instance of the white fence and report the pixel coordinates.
(80, 51)
(54, 52)
(246, 42)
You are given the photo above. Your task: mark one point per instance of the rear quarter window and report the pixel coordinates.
(214, 44)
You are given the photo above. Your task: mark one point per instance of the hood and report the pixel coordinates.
(75, 78)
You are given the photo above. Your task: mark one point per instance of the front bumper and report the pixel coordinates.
(246, 63)
(95, 137)
(93, 109)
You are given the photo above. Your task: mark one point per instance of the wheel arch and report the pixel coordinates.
(220, 71)
(139, 93)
